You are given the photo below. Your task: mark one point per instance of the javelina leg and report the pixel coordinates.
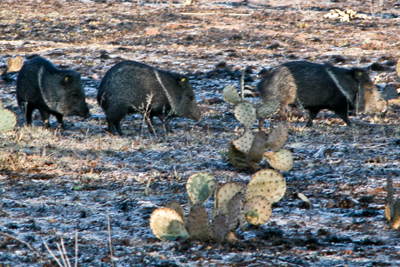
(45, 116)
(111, 125)
(118, 127)
(343, 114)
(167, 126)
(313, 114)
(260, 123)
(60, 121)
(114, 115)
(28, 109)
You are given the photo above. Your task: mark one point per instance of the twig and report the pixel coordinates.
(65, 252)
(62, 256)
(28, 245)
(210, 13)
(242, 85)
(52, 254)
(146, 190)
(76, 248)
(109, 237)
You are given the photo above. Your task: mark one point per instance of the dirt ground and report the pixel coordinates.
(56, 183)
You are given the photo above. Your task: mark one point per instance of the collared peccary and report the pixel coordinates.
(130, 87)
(40, 85)
(316, 86)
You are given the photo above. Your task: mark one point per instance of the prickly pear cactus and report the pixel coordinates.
(237, 158)
(167, 224)
(219, 228)
(281, 160)
(178, 208)
(267, 183)
(7, 120)
(257, 210)
(15, 64)
(248, 150)
(244, 142)
(230, 95)
(225, 194)
(278, 137)
(245, 113)
(199, 187)
(257, 149)
(198, 224)
(235, 212)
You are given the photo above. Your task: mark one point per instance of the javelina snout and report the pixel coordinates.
(130, 87)
(316, 86)
(40, 85)
(188, 100)
(72, 103)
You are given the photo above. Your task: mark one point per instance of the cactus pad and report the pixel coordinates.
(225, 194)
(257, 149)
(244, 142)
(257, 210)
(278, 137)
(219, 228)
(237, 158)
(269, 109)
(178, 208)
(7, 120)
(198, 224)
(235, 211)
(245, 113)
(230, 95)
(281, 160)
(167, 224)
(199, 187)
(15, 64)
(267, 183)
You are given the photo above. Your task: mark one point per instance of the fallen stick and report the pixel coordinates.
(206, 14)
(28, 245)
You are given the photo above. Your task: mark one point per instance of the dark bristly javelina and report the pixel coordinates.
(315, 87)
(40, 85)
(131, 86)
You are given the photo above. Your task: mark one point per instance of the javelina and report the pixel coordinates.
(315, 87)
(40, 85)
(131, 86)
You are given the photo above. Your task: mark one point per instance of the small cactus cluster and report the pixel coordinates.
(7, 119)
(249, 149)
(234, 203)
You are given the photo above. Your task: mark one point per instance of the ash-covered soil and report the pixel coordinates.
(56, 183)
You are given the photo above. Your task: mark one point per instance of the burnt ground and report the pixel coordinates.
(55, 182)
